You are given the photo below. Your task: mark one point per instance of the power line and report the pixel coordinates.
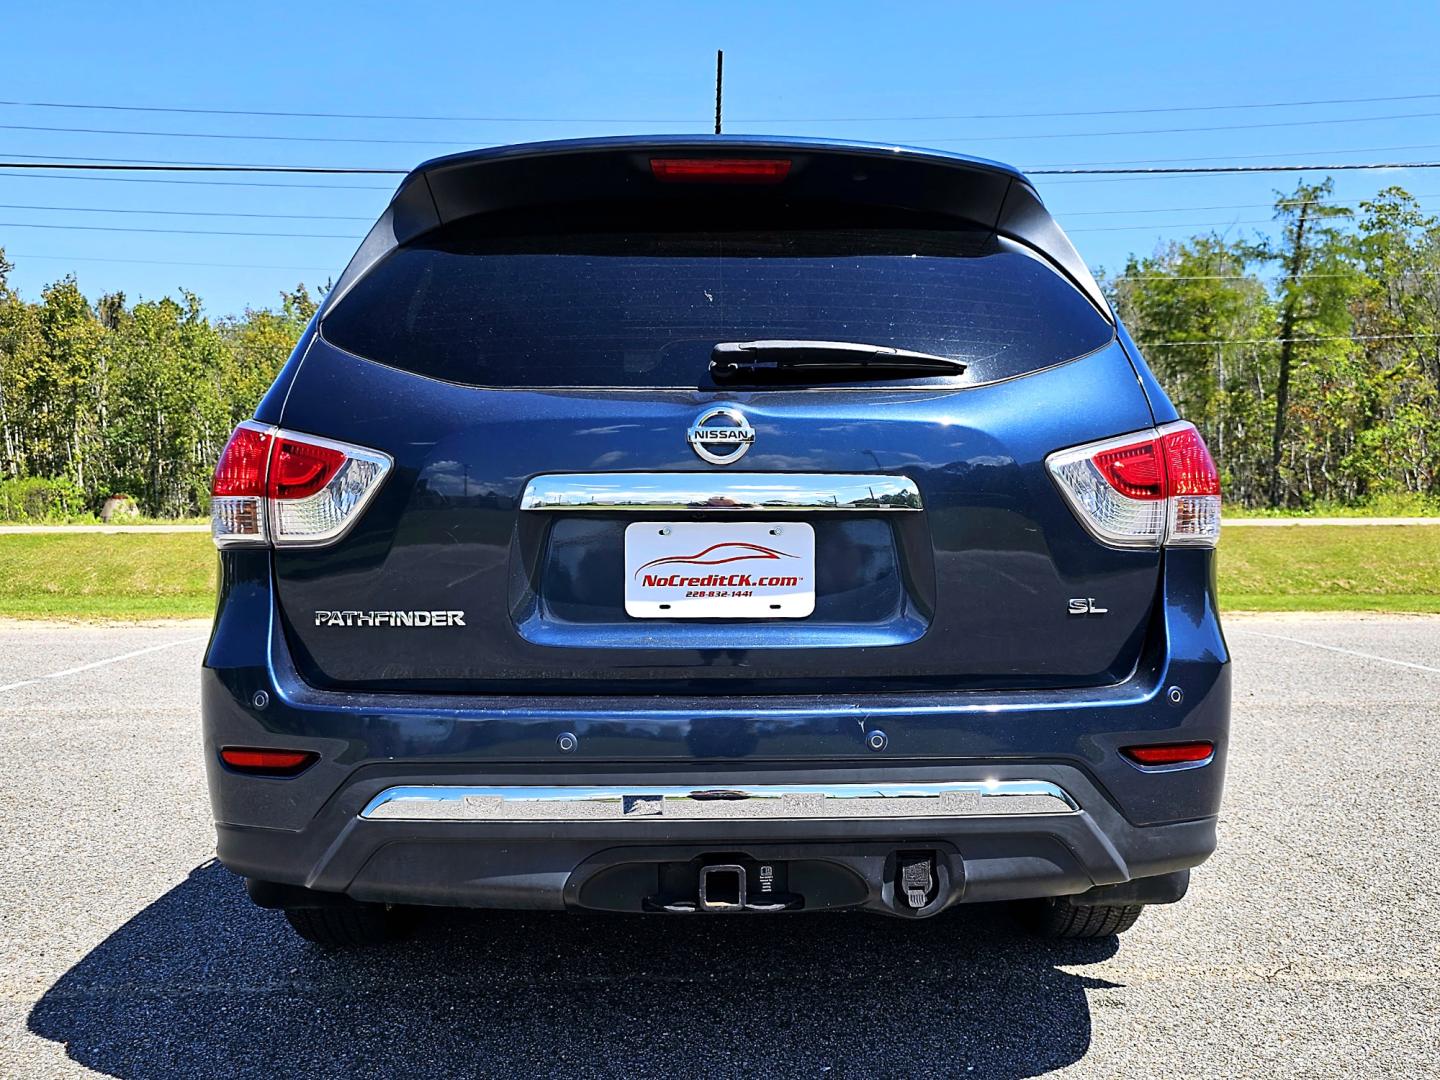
(1228, 157)
(370, 217)
(201, 183)
(190, 110)
(193, 213)
(1226, 206)
(1221, 169)
(1168, 225)
(327, 269)
(349, 236)
(65, 161)
(130, 165)
(169, 262)
(1185, 224)
(1189, 209)
(1158, 131)
(1118, 178)
(1298, 340)
(351, 217)
(367, 218)
(1239, 277)
(1089, 112)
(295, 114)
(248, 137)
(178, 232)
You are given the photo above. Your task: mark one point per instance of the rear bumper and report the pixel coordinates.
(1121, 823)
(1046, 837)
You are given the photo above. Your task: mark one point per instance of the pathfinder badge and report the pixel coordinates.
(389, 618)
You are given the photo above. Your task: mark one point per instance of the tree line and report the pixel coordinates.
(114, 398)
(1310, 361)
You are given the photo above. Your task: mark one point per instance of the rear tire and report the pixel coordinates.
(349, 926)
(1061, 917)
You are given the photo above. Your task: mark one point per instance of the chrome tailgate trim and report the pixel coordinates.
(650, 492)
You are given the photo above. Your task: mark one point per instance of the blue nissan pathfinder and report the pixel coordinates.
(715, 525)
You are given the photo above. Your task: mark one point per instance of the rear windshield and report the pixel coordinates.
(551, 303)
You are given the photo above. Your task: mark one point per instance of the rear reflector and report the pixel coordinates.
(283, 488)
(1146, 489)
(1170, 753)
(251, 759)
(720, 170)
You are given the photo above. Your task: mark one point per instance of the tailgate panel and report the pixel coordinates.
(972, 590)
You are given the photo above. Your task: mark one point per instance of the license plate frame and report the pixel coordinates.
(715, 570)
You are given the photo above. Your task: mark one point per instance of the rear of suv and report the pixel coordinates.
(715, 525)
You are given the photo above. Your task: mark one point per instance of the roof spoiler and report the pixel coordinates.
(984, 193)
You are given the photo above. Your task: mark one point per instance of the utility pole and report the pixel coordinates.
(719, 84)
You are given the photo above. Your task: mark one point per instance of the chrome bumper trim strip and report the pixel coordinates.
(953, 799)
(715, 491)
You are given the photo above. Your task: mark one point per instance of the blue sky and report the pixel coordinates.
(866, 71)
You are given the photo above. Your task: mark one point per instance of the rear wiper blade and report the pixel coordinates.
(730, 359)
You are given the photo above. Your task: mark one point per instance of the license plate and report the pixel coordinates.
(719, 570)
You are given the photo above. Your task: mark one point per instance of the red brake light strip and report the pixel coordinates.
(720, 170)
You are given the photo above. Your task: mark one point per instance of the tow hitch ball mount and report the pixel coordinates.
(725, 887)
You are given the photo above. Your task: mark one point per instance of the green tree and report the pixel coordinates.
(167, 411)
(260, 342)
(1399, 248)
(1206, 322)
(1320, 279)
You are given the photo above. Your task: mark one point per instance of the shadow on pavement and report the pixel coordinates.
(201, 983)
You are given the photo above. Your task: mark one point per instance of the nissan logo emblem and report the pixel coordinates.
(721, 435)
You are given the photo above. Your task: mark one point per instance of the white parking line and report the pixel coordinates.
(100, 663)
(1336, 648)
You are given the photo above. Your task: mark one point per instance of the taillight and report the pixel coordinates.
(720, 170)
(283, 488)
(1162, 754)
(237, 494)
(1136, 471)
(1143, 490)
(298, 469)
(263, 762)
(1194, 487)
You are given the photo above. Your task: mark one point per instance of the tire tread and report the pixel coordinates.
(344, 927)
(1063, 918)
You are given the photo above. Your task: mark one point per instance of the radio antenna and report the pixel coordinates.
(719, 85)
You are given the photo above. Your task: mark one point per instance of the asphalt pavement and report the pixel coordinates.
(1309, 945)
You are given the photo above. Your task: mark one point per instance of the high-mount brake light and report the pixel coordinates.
(282, 488)
(720, 170)
(263, 762)
(1144, 489)
(1155, 756)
